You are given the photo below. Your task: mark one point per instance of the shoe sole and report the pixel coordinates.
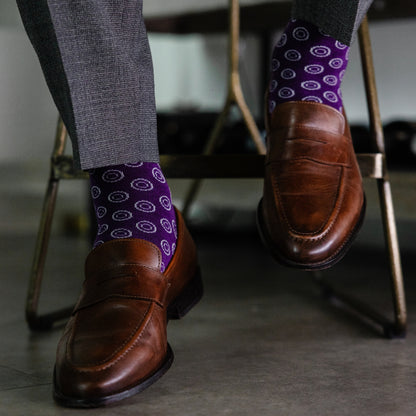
(178, 308)
(280, 258)
(113, 398)
(187, 299)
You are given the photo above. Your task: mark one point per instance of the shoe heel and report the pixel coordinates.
(188, 298)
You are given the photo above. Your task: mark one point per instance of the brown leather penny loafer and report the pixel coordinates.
(313, 201)
(115, 343)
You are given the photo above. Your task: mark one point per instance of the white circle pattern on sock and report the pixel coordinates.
(320, 51)
(282, 41)
(113, 175)
(145, 206)
(102, 229)
(273, 85)
(165, 202)
(134, 165)
(118, 197)
(301, 33)
(101, 212)
(165, 247)
(175, 229)
(288, 73)
(336, 63)
(166, 225)
(312, 98)
(293, 55)
(331, 96)
(275, 64)
(340, 45)
(142, 184)
(158, 175)
(139, 201)
(121, 233)
(330, 80)
(314, 69)
(122, 215)
(95, 192)
(146, 227)
(286, 92)
(307, 62)
(311, 85)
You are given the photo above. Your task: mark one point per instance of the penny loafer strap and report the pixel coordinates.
(317, 145)
(132, 281)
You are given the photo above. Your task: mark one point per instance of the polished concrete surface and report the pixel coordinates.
(262, 341)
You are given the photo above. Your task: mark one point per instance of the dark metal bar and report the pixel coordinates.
(386, 200)
(234, 97)
(365, 312)
(244, 166)
(34, 320)
(397, 326)
(217, 166)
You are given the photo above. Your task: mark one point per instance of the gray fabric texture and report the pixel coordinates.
(338, 18)
(97, 62)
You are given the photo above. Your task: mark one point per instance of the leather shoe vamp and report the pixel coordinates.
(313, 198)
(306, 194)
(111, 347)
(117, 335)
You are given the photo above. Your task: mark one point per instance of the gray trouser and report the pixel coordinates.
(97, 63)
(338, 18)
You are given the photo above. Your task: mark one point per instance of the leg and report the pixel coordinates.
(313, 201)
(338, 18)
(311, 58)
(96, 60)
(143, 269)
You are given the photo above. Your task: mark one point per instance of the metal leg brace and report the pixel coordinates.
(397, 326)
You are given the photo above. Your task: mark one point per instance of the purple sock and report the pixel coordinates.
(307, 65)
(134, 201)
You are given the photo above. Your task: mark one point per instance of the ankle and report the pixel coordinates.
(307, 65)
(134, 201)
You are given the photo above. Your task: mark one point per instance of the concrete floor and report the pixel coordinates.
(262, 341)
